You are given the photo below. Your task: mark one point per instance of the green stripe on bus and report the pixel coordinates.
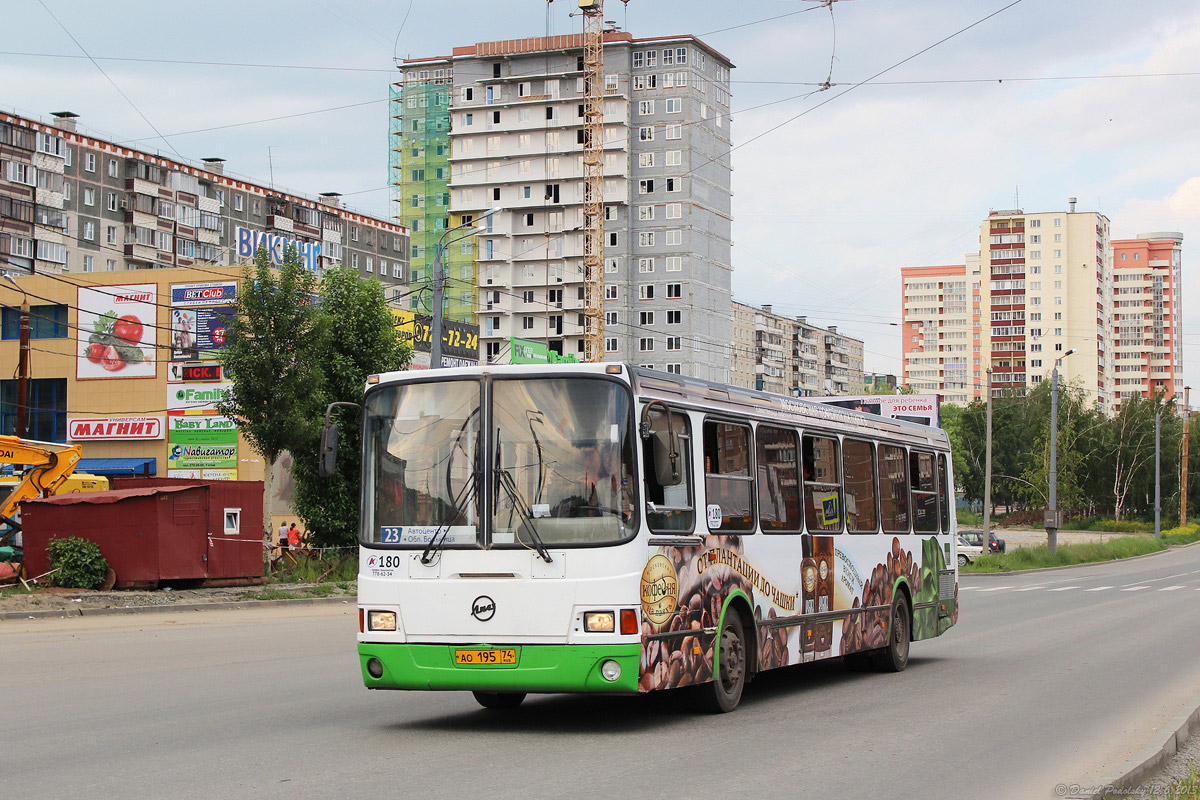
(539, 668)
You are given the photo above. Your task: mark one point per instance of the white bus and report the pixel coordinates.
(607, 528)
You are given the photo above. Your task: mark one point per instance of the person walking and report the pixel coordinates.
(293, 537)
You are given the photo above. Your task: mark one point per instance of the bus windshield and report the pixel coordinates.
(563, 460)
(560, 472)
(422, 462)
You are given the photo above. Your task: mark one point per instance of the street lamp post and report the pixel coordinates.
(1052, 511)
(439, 285)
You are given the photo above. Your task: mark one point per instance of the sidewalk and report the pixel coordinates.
(54, 602)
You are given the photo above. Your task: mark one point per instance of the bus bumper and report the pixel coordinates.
(539, 668)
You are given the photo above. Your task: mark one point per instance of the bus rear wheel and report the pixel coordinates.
(894, 657)
(723, 693)
(499, 699)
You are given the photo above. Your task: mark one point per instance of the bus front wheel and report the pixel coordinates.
(499, 699)
(894, 657)
(723, 693)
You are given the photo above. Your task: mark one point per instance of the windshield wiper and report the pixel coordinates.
(505, 479)
(439, 535)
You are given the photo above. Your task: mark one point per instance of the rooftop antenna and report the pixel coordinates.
(271, 165)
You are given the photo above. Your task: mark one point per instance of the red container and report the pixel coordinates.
(156, 530)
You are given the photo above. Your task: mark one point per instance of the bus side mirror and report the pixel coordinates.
(666, 460)
(329, 445)
(664, 446)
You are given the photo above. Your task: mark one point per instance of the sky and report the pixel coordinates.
(971, 106)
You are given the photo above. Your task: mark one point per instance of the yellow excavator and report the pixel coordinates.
(47, 465)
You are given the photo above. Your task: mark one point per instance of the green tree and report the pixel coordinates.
(269, 357)
(361, 340)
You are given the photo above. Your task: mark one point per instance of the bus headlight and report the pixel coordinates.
(381, 620)
(610, 671)
(599, 621)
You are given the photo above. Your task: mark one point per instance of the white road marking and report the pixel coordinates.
(994, 588)
(1030, 588)
(1156, 580)
(1135, 588)
(1097, 588)
(1064, 588)
(1170, 588)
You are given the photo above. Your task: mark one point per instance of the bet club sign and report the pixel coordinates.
(94, 429)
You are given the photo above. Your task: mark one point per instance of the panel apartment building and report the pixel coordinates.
(789, 355)
(1042, 285)
(71, 202)
(512, 131)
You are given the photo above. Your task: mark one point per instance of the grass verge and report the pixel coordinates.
(1039, 557)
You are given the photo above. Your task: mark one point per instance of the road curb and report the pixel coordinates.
(108, 612)
(1170, 547)
(1143, 766)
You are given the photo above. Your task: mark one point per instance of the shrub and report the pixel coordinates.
(1038, 557)
(78, 562)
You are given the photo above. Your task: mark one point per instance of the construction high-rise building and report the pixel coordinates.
(1041, 286)
(512, 115)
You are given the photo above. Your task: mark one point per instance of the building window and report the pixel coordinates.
(673, 343)
(674, 131)
(638, 60)
(610, 292)
(644, 212)
(645, 159)
(646, 344)
(89, 197)
(646, 239)
(646, 292)
(674, 291)
(674, 105)
(45, 322)
(645, 265)
(674, 263)
(675, 237)
(89, 162)
(46, 419)
(646, 133)
(646, 318)
(675, 369)
(673, 184)
(646, 186)
(112, 168)
(674, 317)
(89, 231)
(610, 345)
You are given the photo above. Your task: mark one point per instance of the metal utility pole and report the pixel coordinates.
(1158, 474)
(593, 179)
(987, 469)
(22, 361)
(1052, 511)
(1183, 464)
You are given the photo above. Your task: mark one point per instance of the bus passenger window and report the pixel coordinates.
(858, 466)
(943, 495)
(669, 509)
(778, 480)
(893, 489)
(822, 484)
(924, 492)
(728, 484)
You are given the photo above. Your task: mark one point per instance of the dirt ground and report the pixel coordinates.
(14, 600)
(1032, 537)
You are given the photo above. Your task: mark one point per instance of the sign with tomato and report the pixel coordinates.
(117, 331)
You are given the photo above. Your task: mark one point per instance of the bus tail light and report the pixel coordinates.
(361, 614)
(629, 624)
(598, 622)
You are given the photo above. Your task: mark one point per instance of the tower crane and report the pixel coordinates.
(593, 178)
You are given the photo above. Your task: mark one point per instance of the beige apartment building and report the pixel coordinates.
(789, 355)
(1044, 285)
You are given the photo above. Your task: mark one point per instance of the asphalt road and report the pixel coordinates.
(1049, 678)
